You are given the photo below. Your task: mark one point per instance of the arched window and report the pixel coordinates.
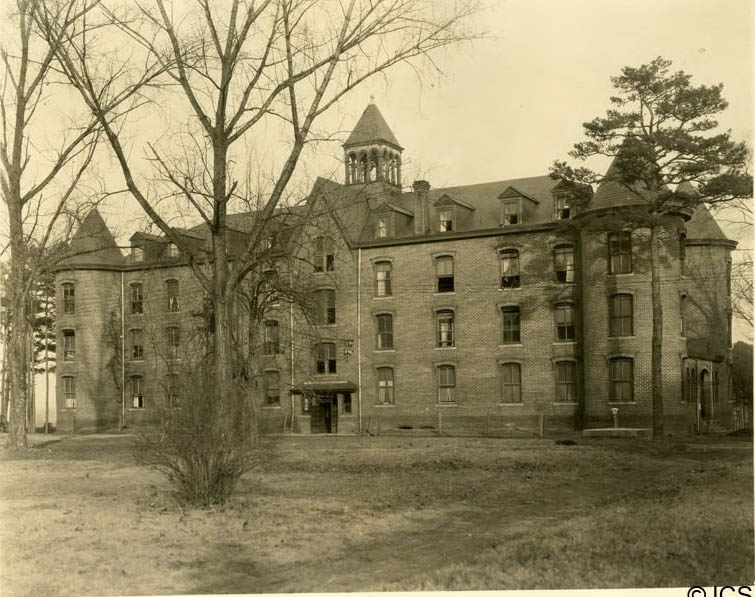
(446, 383)
(563, 264)
(324, 257)
(565, 329)
(385, 385)
(621, 315)
(172, 251)
(511, 383)
(384, 331)
(622, 379)
(69, 297)
(445, 321)
(444, 272)
(383, 270)
(272, 337)
(171, 293)
(325, 358)
(620, 252)
(509, 268)
(566, 381)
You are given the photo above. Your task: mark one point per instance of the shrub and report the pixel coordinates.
(204, 442)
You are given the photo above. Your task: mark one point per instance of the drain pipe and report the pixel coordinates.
(123, 355)
(359, 336)
(291, 351)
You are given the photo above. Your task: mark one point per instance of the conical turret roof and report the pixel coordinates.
(372, 128)
(93, 243)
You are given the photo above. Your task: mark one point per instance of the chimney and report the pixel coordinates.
(421, 209)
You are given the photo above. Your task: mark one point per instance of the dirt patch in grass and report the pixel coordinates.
(80, 517)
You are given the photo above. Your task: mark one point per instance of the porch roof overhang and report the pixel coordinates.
(325, 386)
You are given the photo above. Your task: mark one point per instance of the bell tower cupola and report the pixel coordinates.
(372, 152)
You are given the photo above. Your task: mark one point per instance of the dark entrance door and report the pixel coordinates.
(324, 413)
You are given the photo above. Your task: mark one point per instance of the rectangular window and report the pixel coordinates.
(511, 212)
(383, 278)
(69, 298)
(566, 382)
(565, 330)
(325, 359)
(511, 383)
(69, 391)
(173, 387)
(621, 315)
(347, 404)
(385, 331)
(137, 344)
(137, 298)
(620, 253)
(326, 308)
(272, 337)
(622, 380)
(561, 208)
(563, 263)
(510, 269)
(383, 229)
(171, 292)
(445, 328)
(69, 345)
(385, 385)
(172, 251)
(446, 383)
(324, 259)
(511, 325)
(446, 220)
(174, 342)
(137, 391)
(137, 253)
(272, 388)
(444, 271)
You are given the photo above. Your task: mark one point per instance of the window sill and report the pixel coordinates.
(510, 345)
(620, 274)
(445, 348)
(325, 325)
(506, 404)
(450, 292)
(609, 402)
(385, 350)
(385, 406)
(382, 298)
(622, 337)
(565, 404)
(565, 343)
(446, 405)
(509, 289)
(271, 407)
(330, 271)
(135, 410)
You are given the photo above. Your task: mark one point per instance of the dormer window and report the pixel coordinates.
(137, 253)
(383, 229)
(561, 208)
(446, 219)
(172, 251)
(511, 212)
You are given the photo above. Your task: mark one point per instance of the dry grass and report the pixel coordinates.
(79, 517)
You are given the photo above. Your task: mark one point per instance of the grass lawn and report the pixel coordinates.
(79, 517)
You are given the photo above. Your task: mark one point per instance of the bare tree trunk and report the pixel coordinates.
(17, 347)
(657, 341)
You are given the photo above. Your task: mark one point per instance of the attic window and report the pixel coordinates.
(446, 219)
(137, 253)
(561, 207)
(172, 250)
(511, 212)
(384, 227)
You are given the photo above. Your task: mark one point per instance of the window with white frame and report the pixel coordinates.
(69, 391)
(509, 259)
(383, 228)
(325, 358)
(137, 344)
(172, 251)
(511, 325)
(511, 212)
(324, 257)
(69, 297)
(620, 252)
(446, 219)
(137, 391)
(622, 379)
(69, 345)
(561, 207)
(444, 272)
(621, 315)
(171, 293)
(565, 328)
(137, 297)
(384, 331)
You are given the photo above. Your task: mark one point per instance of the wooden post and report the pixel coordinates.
(541, 424)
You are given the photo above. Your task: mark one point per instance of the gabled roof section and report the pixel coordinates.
(446, 199)
(372, 128)
(385, 206)
(512, 192)
(93, 243)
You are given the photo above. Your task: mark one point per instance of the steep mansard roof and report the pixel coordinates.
(370, 128)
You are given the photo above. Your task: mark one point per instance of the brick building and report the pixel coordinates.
(475, 302)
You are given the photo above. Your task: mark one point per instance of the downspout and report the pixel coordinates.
(291, 351)
(123, 355)
(359, 336)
